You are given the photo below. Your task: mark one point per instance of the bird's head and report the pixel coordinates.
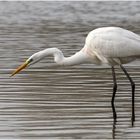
(58, 56)
(31, 60)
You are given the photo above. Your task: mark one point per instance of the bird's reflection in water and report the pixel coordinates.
(114, 128)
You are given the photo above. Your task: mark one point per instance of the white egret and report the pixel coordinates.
(107, 45)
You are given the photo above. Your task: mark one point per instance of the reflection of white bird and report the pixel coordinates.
(108, 45)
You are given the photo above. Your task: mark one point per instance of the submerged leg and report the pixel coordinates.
(112, 101)
(133, 94)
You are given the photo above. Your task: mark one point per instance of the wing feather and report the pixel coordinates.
(114, 42)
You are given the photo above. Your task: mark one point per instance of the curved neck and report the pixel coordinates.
(77, 58)
(59, 58)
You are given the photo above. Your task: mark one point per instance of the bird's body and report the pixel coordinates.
(112, 45)
(107, 45)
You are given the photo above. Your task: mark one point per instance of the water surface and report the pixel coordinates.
(46, 101)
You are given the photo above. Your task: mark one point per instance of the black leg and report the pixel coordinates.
(133, 94)
(114, 92)
(112, 101)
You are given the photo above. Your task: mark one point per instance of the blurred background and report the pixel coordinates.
(45, 101)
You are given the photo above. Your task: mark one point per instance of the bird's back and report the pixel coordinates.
(113, 43)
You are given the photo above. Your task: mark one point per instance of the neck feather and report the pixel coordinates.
(77, 58)
(59, 58)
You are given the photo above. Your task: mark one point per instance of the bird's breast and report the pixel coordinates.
(94, 56)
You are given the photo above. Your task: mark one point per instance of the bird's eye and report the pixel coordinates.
(30, 60)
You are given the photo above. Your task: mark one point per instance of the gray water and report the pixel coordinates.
(50, 102)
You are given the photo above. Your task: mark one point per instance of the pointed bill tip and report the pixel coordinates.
(24, 65)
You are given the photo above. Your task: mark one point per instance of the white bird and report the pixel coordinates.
(107, 45)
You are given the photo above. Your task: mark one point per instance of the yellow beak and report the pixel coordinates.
(24, 65)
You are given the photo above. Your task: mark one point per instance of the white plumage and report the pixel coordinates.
(112, 45)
